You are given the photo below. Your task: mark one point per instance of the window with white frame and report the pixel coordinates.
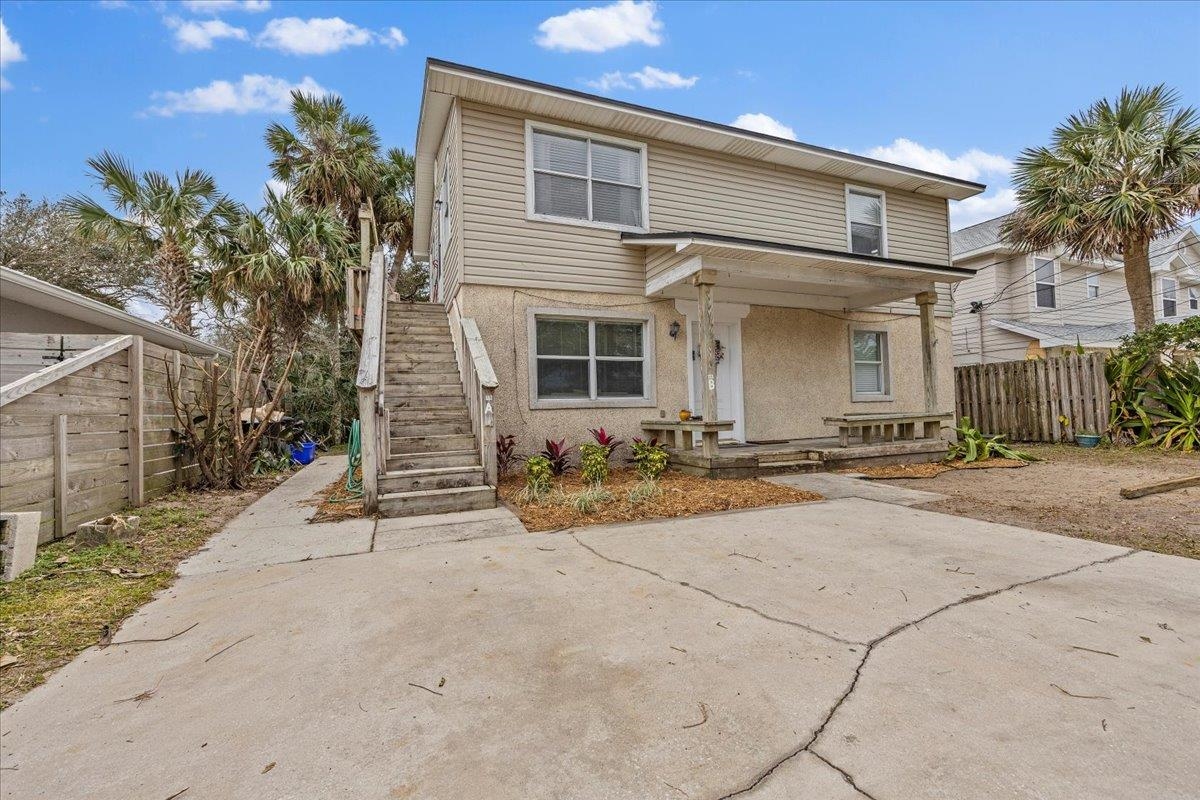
(1093, 285)
(869, 351)
(1169, 307)
(866, 222)
(584, 360)
(1044, 283)
(581, 178)
(1194, 299)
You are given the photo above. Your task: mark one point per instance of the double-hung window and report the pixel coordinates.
(1093, 285)
(866, 222)
(582, 360)
(1169, 307)
(1044, 283)
(1194, 299)
(577, 178)
(869, 353)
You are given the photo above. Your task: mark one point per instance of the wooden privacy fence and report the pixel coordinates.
(90, 435)
(1029, 400)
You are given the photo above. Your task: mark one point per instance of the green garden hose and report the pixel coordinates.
(354, 486)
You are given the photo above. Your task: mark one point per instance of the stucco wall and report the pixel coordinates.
(795, 366)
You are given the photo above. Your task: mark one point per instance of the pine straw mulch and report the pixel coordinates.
(72, 599)
(893, 471)
(335, 504)
(682, 495)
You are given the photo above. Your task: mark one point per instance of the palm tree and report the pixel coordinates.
(285, 264)
(330, 158)
(172, 224)
(393, 201)
(1114, 177)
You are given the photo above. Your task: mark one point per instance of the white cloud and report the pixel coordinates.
(594, 30)
(275, 187)
(10, 53)
(971, 165)
(216, 6)
(645, 78)
(761, 123)
(393, 38)
(200, 34)
(253, 93)
(982, 207)
(313, 37)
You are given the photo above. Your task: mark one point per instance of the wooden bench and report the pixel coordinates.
(682, 432)
(888, 426)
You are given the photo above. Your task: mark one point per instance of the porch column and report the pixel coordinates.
(708, 355)
(925, 302)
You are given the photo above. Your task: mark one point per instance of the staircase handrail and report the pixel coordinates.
(479, 386)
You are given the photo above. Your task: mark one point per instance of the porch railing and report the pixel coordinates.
(372, 413)
(479, 386)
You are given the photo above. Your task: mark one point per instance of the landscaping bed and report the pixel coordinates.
(892, 471)
(70, 600)
(679, 495)
(1075, 492)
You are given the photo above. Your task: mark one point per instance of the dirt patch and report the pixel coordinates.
(335, 502)
(894, 471)
(69, 601)
(1075, 492)
(680, 495)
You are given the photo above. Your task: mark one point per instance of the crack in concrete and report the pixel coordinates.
(717, 597)
(846, 776)
(879, 640)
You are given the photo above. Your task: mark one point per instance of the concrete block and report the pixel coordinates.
(112, 528)
(18, 542)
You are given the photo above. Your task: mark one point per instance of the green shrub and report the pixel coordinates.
(649, 458)
(591, 498)
(593, 463)
(537, 480)
(1154, 385)
(646, 489)
(974, 446)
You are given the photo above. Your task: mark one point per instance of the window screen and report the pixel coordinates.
(870, 367)
(1043, 283)
(578, 178)
(586, 359)
(865, 212)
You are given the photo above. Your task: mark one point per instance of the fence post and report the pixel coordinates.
(60, 476)
(137, 401)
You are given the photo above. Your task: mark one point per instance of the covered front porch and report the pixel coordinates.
(815, 373)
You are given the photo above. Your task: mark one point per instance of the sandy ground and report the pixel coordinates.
(1074, 492)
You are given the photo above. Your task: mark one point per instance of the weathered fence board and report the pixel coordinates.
(1037, 400)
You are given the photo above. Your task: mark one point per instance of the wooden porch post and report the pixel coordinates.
(926, 301)
(708, 357)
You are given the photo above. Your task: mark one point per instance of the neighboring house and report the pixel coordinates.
(582, 235)
(1031, 305)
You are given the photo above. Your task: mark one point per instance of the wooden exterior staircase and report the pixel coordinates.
(433, 463)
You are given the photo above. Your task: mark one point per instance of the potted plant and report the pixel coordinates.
(1087, 438)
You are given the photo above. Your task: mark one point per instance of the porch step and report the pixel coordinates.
(444, 443)
(418, 387)
(437, 501)
(437, 427)
(403, 347)
(404, 309)
(416, 416)
(418, 480)
(784, 467)
(418, 366)
(404, 337)
(400, 380)
(399, 358)
(443, 400)
(458, 458)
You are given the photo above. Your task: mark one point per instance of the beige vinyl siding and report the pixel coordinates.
(451, 157)
(690, 190)
(966, 331)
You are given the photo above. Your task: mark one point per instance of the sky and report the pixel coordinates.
(954, 88)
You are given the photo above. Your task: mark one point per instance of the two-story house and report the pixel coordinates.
(1032, 305)
(622, 263)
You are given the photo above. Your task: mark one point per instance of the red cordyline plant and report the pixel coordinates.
(606, 440)
(506, 452)
(559, 456)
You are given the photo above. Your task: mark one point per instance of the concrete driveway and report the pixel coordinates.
(843, 649)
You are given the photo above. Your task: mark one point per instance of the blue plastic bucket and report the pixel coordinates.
(1087, 439)
(304, 453)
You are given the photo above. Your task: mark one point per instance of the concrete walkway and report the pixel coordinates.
(842, 649)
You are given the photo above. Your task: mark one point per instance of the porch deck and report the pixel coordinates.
(750, 460)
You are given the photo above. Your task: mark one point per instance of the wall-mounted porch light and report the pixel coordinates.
(673, 331)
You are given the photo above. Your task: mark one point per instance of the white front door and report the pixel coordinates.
(729, 374)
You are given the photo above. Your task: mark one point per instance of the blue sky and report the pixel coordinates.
(956, 88)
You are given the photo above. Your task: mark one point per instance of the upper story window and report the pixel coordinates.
(866, 221)
(1169, 307)
(588, 180)
(871, 378)
(1093, 285)
(1194, 299)
(1044, 283)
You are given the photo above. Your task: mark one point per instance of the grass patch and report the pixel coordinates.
(625, 497)
(63, 604)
